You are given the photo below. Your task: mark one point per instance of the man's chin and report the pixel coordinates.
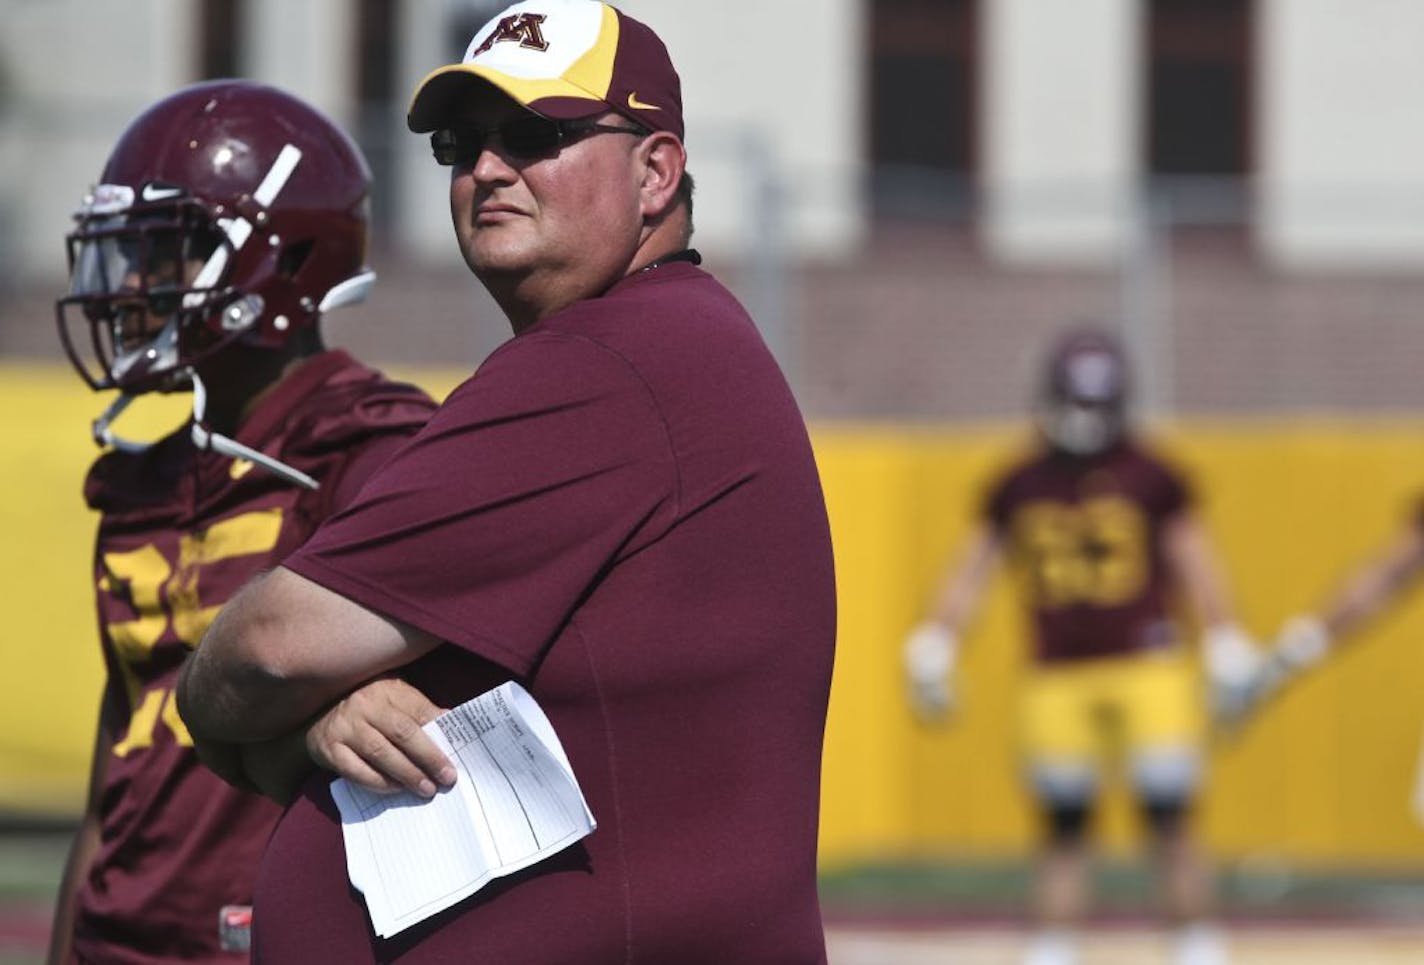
(497, 273)
(497, 260)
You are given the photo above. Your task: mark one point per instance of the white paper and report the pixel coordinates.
(515, 802)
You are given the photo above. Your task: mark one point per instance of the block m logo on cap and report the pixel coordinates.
(564, 59)
(524, 28)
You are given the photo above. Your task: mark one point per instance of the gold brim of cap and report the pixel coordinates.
(430, 105)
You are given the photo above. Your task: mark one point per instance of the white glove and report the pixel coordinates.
(930, 653)
(1301, 643)
(1234, 666)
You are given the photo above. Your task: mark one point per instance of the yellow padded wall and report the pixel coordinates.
(50, 656)
(1322, 776)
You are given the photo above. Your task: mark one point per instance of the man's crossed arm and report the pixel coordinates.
(290, 665)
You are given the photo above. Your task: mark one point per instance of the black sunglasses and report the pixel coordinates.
(522, 137)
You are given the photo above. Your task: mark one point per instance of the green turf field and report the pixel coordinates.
(30, 865)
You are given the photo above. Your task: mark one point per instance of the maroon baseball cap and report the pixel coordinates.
(563, 59)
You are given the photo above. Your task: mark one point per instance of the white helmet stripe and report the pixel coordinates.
(238, 230)
(212, 269)
(276, 178)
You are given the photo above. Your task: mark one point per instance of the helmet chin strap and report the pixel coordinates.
(106, 436)
(205, 438)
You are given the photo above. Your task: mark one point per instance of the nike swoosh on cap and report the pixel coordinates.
(638, 105)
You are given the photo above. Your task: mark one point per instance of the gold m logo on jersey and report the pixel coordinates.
(522, 28)
(162, 593)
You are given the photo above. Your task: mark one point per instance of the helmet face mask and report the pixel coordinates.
(228, 213)
(1081, 430)
(1083, 410)
(135, 280)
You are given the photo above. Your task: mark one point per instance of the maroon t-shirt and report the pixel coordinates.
(1088, 533)
(180, 532)
(621, 510)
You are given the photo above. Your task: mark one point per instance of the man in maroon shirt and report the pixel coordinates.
(176, 297)
(1104, 533)
(620, 510)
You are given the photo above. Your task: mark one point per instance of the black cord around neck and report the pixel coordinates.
(687, 254)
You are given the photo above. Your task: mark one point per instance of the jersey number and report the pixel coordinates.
(1093, 553)
(164, 596)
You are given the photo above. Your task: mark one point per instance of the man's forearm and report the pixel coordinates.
(226, 692)
(281, 651)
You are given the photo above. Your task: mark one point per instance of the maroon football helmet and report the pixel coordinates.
(1083, 408)
(229, 212)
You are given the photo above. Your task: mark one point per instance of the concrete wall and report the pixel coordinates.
(1342, 131)
(775, 96)
(306, 47)
(74, 73)
(770, 89)
(772, 92)
(1061, 123)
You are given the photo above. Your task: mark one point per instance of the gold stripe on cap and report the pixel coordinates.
(594, 70)
(527, 90)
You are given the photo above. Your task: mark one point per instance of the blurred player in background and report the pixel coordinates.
(1374, 585)
(229, 218)
(1105, 533)
(1306, 639)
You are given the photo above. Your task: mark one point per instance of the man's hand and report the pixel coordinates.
(373, 738)
(930, 652)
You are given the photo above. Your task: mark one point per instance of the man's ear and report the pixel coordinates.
(663, 161)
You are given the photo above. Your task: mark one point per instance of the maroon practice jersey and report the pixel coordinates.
(1088, 534)
(181, 531)
(621, 510)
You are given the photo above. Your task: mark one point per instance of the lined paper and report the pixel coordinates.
(514, 802)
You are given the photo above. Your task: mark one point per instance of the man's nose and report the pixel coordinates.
(491, 166)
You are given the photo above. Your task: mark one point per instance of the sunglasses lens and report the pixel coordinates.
(525, 137)
(530, 136)
(450, 147)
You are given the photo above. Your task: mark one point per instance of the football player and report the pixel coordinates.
(228, 219)
(1105, 533)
